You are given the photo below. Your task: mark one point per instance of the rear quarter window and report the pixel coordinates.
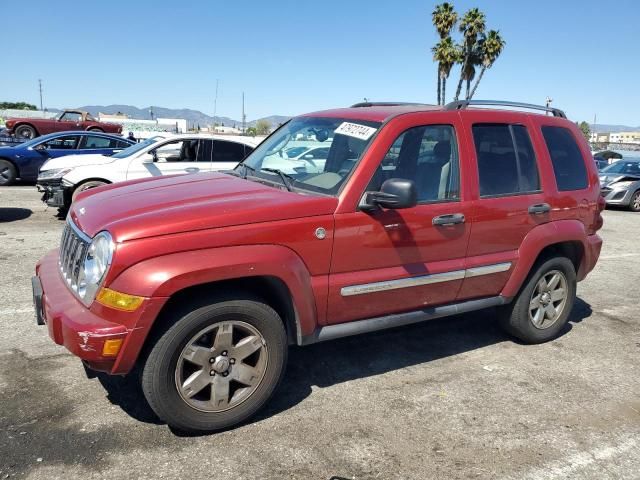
(568, 164)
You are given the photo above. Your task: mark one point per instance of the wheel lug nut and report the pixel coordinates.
(224, 353)
(211, 360)
(232, 361)
(225, 374)
(212, 373)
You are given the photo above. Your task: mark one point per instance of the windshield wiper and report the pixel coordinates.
(247, 169)
(286, 178)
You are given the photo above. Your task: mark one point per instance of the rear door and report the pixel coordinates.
(227, 154)
(390, 261)
(509, 198)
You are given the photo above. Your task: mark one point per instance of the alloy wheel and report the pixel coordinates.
(221, 366)
(548, 299)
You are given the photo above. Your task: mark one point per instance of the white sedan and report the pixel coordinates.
(60, 179)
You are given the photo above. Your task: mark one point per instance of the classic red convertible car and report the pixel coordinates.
(68, 120)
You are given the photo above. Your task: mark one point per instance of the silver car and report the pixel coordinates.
(620, 183)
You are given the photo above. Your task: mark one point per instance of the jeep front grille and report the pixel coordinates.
(73, 250)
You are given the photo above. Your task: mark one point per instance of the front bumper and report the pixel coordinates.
(54, 193)
(617, 196)
(83, 331)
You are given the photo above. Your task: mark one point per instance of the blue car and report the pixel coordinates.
(23, 161)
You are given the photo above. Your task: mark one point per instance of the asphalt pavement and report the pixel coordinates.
(453, 398)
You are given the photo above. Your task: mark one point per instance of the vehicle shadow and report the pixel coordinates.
(8, 214)
(326, 364)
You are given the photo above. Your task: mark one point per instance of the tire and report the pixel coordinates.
(96, 129)
(634, 204)
(86, 186)
(219, 398)
(25, 131)
(8, 173)
(529, 320)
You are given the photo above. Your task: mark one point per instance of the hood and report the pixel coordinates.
(69, 161)
(183, 203)
(617, 177)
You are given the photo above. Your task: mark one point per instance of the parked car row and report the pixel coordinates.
(199, 283)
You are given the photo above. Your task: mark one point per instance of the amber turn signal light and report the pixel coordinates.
(119, 300)
(111, 347)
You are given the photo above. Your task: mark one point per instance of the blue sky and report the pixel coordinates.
(291, 57)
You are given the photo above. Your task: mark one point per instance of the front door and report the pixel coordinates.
(391, 261)
(171, 158)
(69, 121)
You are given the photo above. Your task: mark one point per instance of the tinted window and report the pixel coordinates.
(91, 141)
(205, 151)
(427, 155)
(67, 142)
(568, 164)
(122, 144)
(227, 151)
(506, 161)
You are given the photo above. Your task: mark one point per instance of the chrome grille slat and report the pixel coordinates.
(73, 248)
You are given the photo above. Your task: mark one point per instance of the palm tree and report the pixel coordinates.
(472, 25)
(444, 18)
(490, 46)
(447, 54)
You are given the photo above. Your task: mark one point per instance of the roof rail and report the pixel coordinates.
(383, 104)
(462, 104)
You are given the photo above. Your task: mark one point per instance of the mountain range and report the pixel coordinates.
(604, 128)
(193, 117)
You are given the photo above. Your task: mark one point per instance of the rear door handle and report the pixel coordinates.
(191, 170)
(539, 208)
(449, 219)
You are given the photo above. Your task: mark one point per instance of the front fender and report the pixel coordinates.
(537, 240)
(164, 276)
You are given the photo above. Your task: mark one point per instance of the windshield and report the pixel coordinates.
(623, 166)
(127, 152)
(343, 140)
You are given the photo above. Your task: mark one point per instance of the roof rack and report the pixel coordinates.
(462, 104)
(383, 104)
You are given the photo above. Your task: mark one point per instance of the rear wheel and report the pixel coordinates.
(25, 132)
(216, 366)
(7, 173)
(86, 186)
(541, 310)
(634, 205)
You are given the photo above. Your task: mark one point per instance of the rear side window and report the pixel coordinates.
(568, 164)
(506, 161)
(228, 151)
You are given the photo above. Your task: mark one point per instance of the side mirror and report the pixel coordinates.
(395, 193)
(150, 158)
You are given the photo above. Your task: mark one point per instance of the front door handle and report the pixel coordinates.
(192, 170)
(539, 208)
(449, 219)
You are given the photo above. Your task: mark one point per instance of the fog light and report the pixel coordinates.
(111, 347)
(119, 300)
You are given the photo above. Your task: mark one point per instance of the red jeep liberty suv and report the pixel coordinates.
(198, 283)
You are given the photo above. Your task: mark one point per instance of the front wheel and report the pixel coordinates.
(25, 132)
(541, 309)
(634, 204)
(216, 366)
(86, 186)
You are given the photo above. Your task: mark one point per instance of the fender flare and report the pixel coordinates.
(168, 274)
(537, 240)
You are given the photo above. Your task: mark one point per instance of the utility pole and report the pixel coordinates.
(40, 88)
(548, 103)
(244, 117)
(215, 106)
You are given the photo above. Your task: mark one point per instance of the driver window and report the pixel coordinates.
(68, 142)
(427, 155)
(177, 151)
(71, 117)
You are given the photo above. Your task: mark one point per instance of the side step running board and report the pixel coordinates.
(347, 329)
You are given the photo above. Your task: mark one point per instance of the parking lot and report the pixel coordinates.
(452, 398)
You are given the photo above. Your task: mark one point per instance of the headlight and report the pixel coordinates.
(53, 173)
(622, 185)
(96, 264)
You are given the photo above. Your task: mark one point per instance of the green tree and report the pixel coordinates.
(251, 131)
(17, 106)
(490, 47)
(472, 26)
(444, 18)
(263, 127)
(447, 54)
(585, 129)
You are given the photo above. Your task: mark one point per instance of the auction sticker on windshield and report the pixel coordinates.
(355, 130)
